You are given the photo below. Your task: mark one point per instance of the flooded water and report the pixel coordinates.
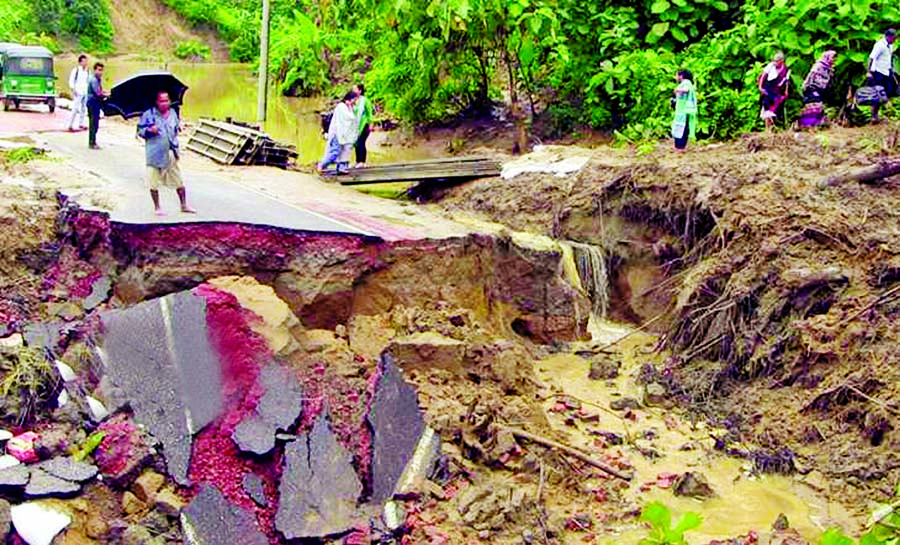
(229, 90)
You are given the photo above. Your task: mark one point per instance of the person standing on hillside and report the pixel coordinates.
(684, 126)
(814, 88)
(342, 135)
(773, 86)
(96, 94)
(365, 113)
(78, 84)
(881, 68)
(159, 127)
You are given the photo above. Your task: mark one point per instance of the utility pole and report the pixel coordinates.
(263, 64)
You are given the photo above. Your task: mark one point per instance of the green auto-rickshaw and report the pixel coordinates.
(27, 77)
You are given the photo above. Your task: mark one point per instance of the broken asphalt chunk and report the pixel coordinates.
(159, 354)
(319, 488)
(397, 425)
(211, 520)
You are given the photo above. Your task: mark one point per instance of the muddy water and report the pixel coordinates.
(229, 90)
(743, 501)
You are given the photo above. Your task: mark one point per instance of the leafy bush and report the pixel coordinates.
(193, 50)
(662, 532)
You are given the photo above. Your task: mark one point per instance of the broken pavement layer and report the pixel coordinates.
(278, 409)
(210, 519)
(159, 353)
(397, 425)
(319, 489)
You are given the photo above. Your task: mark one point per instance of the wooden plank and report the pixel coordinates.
(420, 174)
(466, 167)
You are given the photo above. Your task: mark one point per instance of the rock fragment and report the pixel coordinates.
(277, 410)
(693, 485)
(253, 486)
(37, 523)
(14, 476)
(69, 469)
(159, 354)
(624, 404)
(5, 519)
(42, 484)
(147, 485)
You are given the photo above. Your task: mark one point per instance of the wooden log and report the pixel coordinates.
(571, 451)
(866, 175)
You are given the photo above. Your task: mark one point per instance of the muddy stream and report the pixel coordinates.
(656, 442)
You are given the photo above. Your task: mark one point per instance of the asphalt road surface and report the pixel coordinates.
(121, 162)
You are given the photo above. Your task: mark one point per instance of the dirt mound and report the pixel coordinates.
(149, 27)
(782, 293)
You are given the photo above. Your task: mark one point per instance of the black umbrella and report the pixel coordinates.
(133, 96)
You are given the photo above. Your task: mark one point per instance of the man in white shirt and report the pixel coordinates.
(881, 67)
(78, 83)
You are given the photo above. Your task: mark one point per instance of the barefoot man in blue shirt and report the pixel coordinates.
(159, 128)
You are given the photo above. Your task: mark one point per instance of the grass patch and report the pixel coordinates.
(390, 190)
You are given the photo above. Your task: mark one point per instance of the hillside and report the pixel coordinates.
(150, 27)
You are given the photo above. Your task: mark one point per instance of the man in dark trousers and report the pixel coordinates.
(159, 128)
(95, 97)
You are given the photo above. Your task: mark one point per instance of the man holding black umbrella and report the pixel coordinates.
(159, 127)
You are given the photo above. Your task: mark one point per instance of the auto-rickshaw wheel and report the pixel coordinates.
(52, 105)
(5, 105)
(16, 103)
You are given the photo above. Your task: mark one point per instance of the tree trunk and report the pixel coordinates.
(520, 141)
(874, 173)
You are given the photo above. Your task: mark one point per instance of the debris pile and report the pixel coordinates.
(230, 143)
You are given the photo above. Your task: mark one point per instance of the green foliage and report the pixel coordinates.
(608, 64)
(48, 14)
(18, 156)
(192, 50)
(90, 444)
(44, 22)
(662, 532)
(15, 20)
(27, 384)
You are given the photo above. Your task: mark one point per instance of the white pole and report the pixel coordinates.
(263, 64)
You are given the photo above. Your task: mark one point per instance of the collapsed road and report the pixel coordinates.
(407, 378)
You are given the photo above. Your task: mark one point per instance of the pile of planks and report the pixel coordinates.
(239, 144)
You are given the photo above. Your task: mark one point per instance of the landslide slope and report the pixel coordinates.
(782, 293)
(145, 27)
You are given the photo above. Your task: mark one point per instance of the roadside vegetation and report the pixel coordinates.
(53, 22)
(573, 63)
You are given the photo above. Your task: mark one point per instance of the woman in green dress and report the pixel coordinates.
(684, 126)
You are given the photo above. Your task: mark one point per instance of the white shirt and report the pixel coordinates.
(343, 125)
(78, 81)
(881, 57)
(771, 71)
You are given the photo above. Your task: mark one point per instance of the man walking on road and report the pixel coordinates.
(159, 127)
(881, 68)
(78, 84)
(96, 94)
